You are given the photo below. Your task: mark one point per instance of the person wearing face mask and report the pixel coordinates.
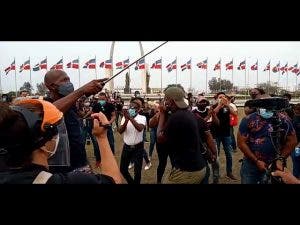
(108, 110)
(255, 93)
(29, 137)
(180, 134)
(222, 109)
(207, 121)
(64, 97)
(254, 141)
(132, 126)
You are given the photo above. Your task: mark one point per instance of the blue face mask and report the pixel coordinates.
(265, 114)
(132, 112)
(65, 89)
(102, 102)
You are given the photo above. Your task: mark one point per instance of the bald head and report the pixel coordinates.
(53, 76)
(53, 79)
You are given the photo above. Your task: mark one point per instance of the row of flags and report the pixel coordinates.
(242, 66)
(91, 64)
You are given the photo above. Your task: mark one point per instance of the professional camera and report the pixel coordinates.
(272, 103)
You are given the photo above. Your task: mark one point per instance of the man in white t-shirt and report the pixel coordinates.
(132, 126)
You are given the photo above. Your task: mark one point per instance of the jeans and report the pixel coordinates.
(152, 140)
(163, 154)
(250, 173)
(233, 142)
(111, 141)
(226, 141)
(136, 156)
(296, 165)
(206, 178)
(87, 130)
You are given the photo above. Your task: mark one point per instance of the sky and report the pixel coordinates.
(285, 52)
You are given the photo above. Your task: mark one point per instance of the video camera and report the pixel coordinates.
(272, 103)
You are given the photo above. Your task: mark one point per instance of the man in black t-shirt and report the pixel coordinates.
(222, 109)
(180, 134)
(108, 110)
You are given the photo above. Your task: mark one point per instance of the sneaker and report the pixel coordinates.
(148, 166)
(131, 165)
(230, 175)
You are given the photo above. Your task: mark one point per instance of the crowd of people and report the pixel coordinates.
(187, 129)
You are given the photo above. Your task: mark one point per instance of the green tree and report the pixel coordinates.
(26, 86)
(41, 88)
(270, 89)
(215, 85)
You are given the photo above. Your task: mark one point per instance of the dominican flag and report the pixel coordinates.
(106, 64)
(157, 64)
(172, 66)
(91, 64)
(58, 65)
(255, 66)
(41, 65)
(276, 68)
(284, 69)
(267, 66)
(229, 66)
(36, 67)
(203, 64)
(218, 66)
(25, 66)
(242, 65)
(11, 67)
(122, 64)
(74, 64)
(293, 67)
(186, 65)
(140, 64)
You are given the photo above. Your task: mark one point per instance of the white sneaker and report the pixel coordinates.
(148, 166)
(131, 165)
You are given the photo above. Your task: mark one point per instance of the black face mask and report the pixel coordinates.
(65, 89)
(201, 106)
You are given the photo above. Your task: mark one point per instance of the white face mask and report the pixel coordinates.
(55, 148)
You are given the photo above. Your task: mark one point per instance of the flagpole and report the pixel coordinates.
(176, 69)
(16, 77)
(46, 64)
(257, 74)
(220, 76)
(206, 74)
(245, 78)
(0, 83)
(79, 71)
(30, 74)
(161, 76)
(191, 76)
(232, 73)
(269, 78)
(129, 77)
(96, 67)
(287, 80)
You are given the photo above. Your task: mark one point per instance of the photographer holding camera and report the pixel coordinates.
(256, 140)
